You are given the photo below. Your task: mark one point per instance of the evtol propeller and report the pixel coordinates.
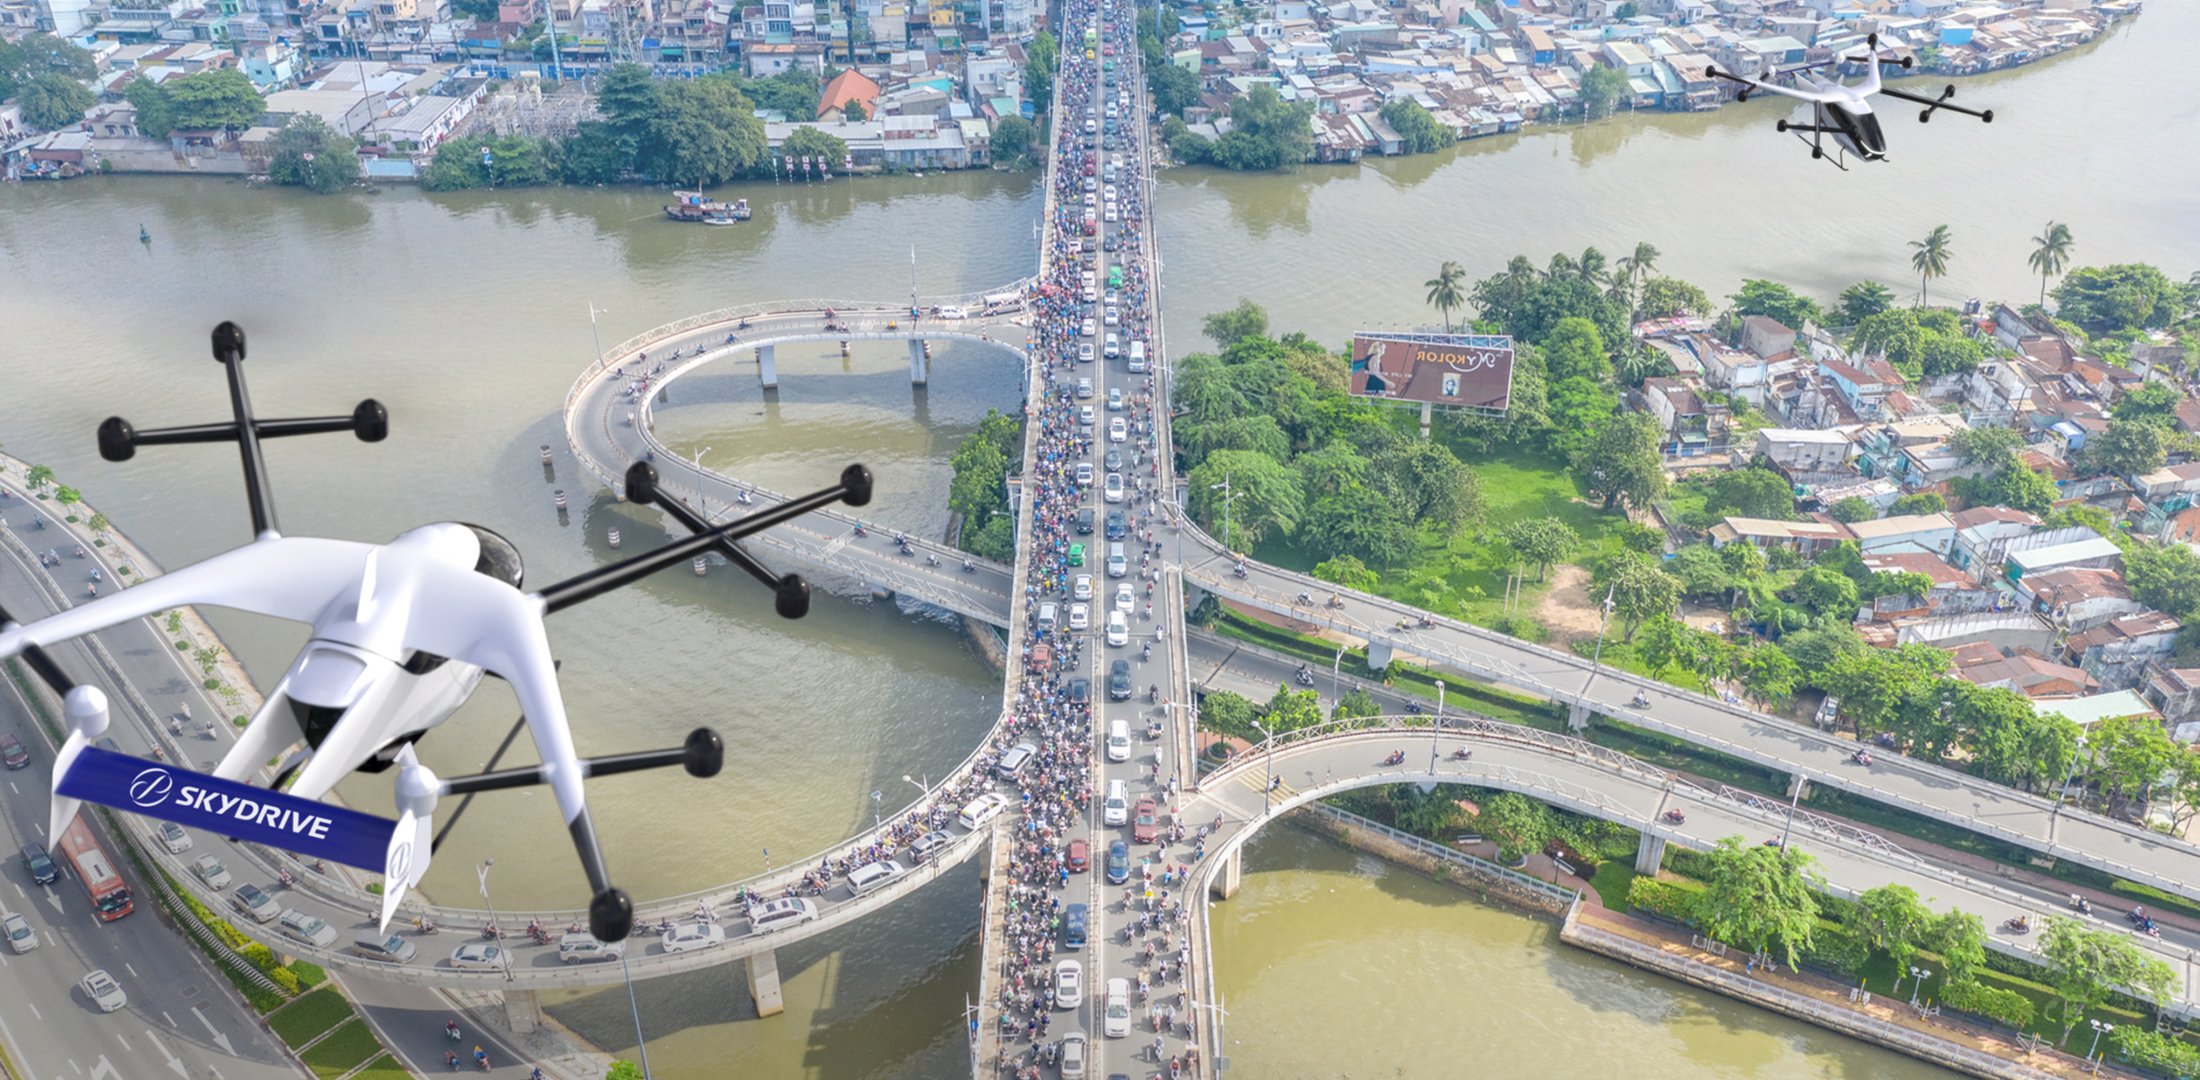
(1844, 110)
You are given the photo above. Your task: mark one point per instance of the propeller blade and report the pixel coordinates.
(84, 708)
(467, 799)
(40, 660)
(410, 847)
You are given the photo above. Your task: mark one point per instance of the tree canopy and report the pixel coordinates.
(1774, 301)
(310, 154)
(215, 98)
(1417, 126)
(1761, 898)
(1266, 132)
(35, 55)
(2110, 299)
(52, 101)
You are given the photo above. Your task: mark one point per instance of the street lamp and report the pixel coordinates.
(2063, 792)
(1794, 797)
(699, 455)
(877, 825)
(504, 955)
(1268, 765)
(593, 311)
(1437, 728)
(2099, 1029)
(1918, 976)
(1604, 618)
(1336, 675)
(925, 786)
(1229, 495)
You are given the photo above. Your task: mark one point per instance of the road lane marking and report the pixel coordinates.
(220, 1039)
(35, 1014)
(125, 1042)
(173, 1063)
(171, 1020)
(103, 1068)
(126, 967)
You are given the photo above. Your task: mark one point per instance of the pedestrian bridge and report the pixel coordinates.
(1316, 762)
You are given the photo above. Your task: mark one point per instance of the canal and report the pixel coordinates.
(468, 315)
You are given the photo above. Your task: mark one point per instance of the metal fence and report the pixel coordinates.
(1475, 865)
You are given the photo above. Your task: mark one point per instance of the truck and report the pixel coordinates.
(103, 884)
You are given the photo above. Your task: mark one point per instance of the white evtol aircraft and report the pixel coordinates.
(402, 634)
(1841, 110)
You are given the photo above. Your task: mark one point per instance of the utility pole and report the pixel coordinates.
(550, 25)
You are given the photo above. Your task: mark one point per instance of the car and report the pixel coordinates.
(781, 913)
(1081, 587)
(104, 991)
(1114, 316)
(1091, 126)
(1111, 243)
(586, 949)
(299, 926)
(1080, 691)
(1119, 525)
(1113, 462)
(1090, 293)
(1077, 554)
(1145, 822)
(39, 864)
(1126, 598)
(689, 937)
(12, 752)
(1080, 617)
(478, 956)
(1110, 217)
(1084, 356)
(211, 871)
(1091, 184)
(1115, 399)
(1119, 681)
(1069, 984)
(1118, 430)
(1115, 1022)
(383, 949)
(1076, 922)
(1084, 473)
(1092, 199)
(1084, 521)
(1084, 388)
(253, 901)
(1086, 414)
(1119, 565)
(1073, 1057)
(1119, 862)
(1119, 629)
(21, 938)
(1080, 855)
(1089, 328)
(1112, 489)
(982, 809)
(928, 845)
(174, 838)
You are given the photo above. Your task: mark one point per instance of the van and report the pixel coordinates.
(389, 949)
(1015, 759)
(41, 865)
(1119, 738)
(1117, 809)
(870, 876)
(1138, 358)
(1047, 613)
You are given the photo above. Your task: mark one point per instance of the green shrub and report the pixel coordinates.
(2000, 1006)
(1662, 898)
(2156, 1051)
(309, 975)
(210, 684)
(1839, 951)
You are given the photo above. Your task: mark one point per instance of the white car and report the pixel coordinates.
(1081, 587)
(781, 913)
(1115, 1022)
(104, 991)
(1119, 629)
(982, 809)
(21, 938)
(1069, 984)
(174, 838)
(1073, 1056)
(1112, 490)
(1080, 617)
(1115, 399)
(478, 956)
(211, 871)
(307, 928)
(1084, 352)
(1125, 598)
(1113, 317)
(692, 936)
(585, 949)
(1090, 328)
(1084, 474)
(253, 901)
(1118, 430)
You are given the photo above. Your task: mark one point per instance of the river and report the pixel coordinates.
(467, 314)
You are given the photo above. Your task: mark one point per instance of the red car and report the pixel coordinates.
(1080, 856)
(1145, 822)
(12, 752)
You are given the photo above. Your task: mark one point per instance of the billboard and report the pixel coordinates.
(1460, 371)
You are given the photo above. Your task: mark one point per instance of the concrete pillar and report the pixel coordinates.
(1798, 786)
(1577, 717)
(1224, 884)
(1378, 656)
(522, 1011)
(917, 363)
(1649, 853)
(767, 366)
(764, 984)
(1428, 413)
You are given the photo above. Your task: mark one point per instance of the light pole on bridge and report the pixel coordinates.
(1268, 765)
(1336, 677)
(593, 311)
(504, 955)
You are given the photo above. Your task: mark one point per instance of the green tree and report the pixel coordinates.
(1774, 301)
(1929, 257)
(2022, 489)
(67, 496)
(1290, 710)
(1227, 328)
(38, 477)
(1993, 447)
(50, 102)
(807, 141)
(1864, 300)
(1575, 349)
(1637, 264)
(1815, 649)
(1174, 88)
(1427, 483)
(215, 98)
(1640, 591)
(1579, 410)
(1014, 139)
(1623, 462)
(627, 98)
(2154, 402)
(2111, 299)
(1443, 290)
(853, 112)
(2129, 756)
(1894, 690)
(2050, 254)
(704, 132)
(623, 1069)
(1751, 493)
(1266, 131)
(2165, 577)
(1852, 510)
(1040, 58)
(156, 116)
(1960, 939)
(1663, 643)
(1761, 898)
(311, 155)
(1923, 502)
(99, 525)
(1355, 704)
(1361, 522)
(1768, 674)
(208, 658)
(1520, 824)
(1347, 571)
(2085, 964)
(1601, 88)
(2128, 448)
(597, 153)
(1892, 919)
(1669, 297)
(1420, 130)
(1823, 591)
(1539, 542)
(1266, 497)
(35, 55)
(1226, 712)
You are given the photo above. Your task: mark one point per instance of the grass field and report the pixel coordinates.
(342, 1051)
(309, 1016)
(383, 1068)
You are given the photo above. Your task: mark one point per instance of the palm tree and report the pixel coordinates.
(1443, 289)
(1592, 268)
(2051, 254)
(1929, 257)
(1562, 266)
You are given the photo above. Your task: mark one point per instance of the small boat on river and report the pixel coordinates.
(694, 206)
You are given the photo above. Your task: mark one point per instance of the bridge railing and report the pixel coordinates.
(1515, 878)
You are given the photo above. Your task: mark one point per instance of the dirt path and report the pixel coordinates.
(1565, 609)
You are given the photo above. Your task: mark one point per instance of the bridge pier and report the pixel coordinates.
(1577, 717)
(1229, 876)
(1428, 413)
(767, 366)
(522, 1011)
(1798, 786)
(1378, 656)
(764, 984)
(918, 362)
(1649, 854)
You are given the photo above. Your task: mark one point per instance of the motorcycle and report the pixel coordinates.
(1641, 699)
(481, 1060)
(1461, 755)
(450, 1030)
(1675, 817)
(969, 567)
(1145, 652)
(2018, 925)
(1153, 694)
(1397, 757)
(426, 927)
(1336, 601)
(1306, 598)
(2080, 904)
(1861, 757)
(490, 931)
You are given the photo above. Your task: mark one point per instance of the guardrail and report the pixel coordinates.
(1425, 846)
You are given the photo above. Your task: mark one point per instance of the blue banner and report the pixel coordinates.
(228, 808)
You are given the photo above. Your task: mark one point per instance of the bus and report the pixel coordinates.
(110, 896)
